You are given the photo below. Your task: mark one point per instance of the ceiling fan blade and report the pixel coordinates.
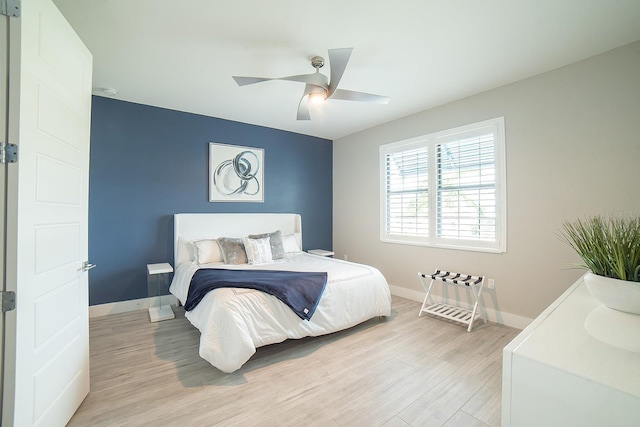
(303, 109)
(313, 78)
(303, 106)
(338, 60)
(350, 95)
(243, 81)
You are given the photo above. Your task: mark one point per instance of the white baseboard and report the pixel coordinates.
(504, 318)
(130, 305)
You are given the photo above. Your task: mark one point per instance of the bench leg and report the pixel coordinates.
(473, 316)
(476, 297)
(426, 298)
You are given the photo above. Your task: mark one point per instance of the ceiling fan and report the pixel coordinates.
(317, 86)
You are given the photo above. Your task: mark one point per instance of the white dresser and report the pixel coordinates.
(577, 364)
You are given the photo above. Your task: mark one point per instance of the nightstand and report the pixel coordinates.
(320, 252)
(158, 285)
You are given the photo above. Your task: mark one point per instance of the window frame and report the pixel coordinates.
(431, 142)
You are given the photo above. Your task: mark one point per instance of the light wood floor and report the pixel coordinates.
(401, 371)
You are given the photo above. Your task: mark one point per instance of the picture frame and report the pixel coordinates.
(236, 173)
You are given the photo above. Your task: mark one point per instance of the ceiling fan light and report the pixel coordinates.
(316, 98)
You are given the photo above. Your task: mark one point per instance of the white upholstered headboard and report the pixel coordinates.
(195, 226)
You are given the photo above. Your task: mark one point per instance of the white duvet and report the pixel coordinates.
(234, 322)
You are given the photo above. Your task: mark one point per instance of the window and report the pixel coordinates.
(446, 189)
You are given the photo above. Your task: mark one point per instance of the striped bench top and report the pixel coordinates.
(456, 278)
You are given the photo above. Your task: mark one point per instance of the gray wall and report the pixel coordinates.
(572, 149)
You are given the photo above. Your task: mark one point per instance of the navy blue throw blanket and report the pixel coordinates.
(299, 290)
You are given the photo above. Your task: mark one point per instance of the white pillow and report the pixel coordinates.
(258, 250)
(186, 250)
(207, 252)
(290, 243)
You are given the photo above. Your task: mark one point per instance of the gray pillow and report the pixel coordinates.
(275, 240)
(232, 250)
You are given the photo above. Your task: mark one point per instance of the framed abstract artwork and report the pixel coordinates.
(236, 174)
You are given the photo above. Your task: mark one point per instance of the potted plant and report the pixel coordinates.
(610, 249)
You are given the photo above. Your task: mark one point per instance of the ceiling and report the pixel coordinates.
(422, 53)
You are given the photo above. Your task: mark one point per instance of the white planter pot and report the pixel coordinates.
(614, 293)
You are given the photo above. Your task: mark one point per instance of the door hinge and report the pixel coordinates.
(8, 152)
(8, 301)
(10, 8)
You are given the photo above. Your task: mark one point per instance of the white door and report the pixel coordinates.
(4, 46)
(47, 347)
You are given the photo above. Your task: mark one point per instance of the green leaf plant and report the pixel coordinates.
(608, 245)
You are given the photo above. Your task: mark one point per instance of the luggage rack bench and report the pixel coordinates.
(451, 312)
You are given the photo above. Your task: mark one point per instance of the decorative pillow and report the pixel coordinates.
(258, 250)
(275, 240)
(290, 243)
(232, 250)
(208, 251)
(186, 250)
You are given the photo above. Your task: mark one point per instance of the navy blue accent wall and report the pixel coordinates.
(148, 163)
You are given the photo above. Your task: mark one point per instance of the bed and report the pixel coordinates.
(233, 322)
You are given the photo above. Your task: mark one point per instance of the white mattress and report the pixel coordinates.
(234, 322)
